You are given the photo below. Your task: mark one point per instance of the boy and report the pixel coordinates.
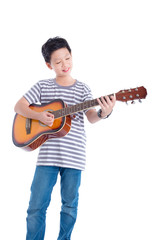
(62, 155)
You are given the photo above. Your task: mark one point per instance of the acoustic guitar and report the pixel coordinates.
(29, 134)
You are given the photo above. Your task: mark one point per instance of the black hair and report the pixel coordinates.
(52, 45)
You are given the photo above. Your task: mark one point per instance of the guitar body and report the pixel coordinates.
(30, 134)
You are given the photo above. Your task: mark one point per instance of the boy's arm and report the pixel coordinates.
(22, 108)
(106, 108)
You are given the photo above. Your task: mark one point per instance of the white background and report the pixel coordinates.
(115, 46)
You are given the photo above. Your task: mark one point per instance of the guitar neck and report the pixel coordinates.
(76, 108)
(123, 96)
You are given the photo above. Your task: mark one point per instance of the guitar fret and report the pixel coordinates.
(85, 105)
(89, 104)
(75, 108)
(66, 111)
(63, 111)
(93, 102)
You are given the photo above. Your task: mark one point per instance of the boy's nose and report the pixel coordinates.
(64, 64)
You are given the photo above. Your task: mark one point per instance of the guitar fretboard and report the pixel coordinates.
(76, 108)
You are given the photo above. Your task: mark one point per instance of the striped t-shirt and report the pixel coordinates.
(68, 151)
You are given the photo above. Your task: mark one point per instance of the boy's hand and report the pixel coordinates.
(46, 118)
(107, 105)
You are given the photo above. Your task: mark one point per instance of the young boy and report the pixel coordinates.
(66, 155)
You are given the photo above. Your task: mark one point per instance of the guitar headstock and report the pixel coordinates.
(131, 94)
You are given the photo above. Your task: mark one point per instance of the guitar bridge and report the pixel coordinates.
(28, 125)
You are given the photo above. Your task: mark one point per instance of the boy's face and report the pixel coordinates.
(61, 62)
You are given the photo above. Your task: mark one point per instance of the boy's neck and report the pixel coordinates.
(65, 81)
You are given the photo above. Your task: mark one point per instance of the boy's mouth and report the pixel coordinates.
(66, 70)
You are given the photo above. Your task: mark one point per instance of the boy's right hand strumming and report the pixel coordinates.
(46, 118)
(22, 108)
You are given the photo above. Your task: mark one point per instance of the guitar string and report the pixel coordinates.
(76, 108)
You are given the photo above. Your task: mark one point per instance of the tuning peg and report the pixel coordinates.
(140, 100)
(126, 103)
(133, 102)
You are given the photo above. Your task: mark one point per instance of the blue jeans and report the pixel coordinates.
(44, 180)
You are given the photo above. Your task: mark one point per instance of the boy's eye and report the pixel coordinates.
(58, 62)
(67, 58)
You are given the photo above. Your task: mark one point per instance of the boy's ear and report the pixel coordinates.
(49, 65)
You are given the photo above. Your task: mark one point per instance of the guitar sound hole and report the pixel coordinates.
(42, 124)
